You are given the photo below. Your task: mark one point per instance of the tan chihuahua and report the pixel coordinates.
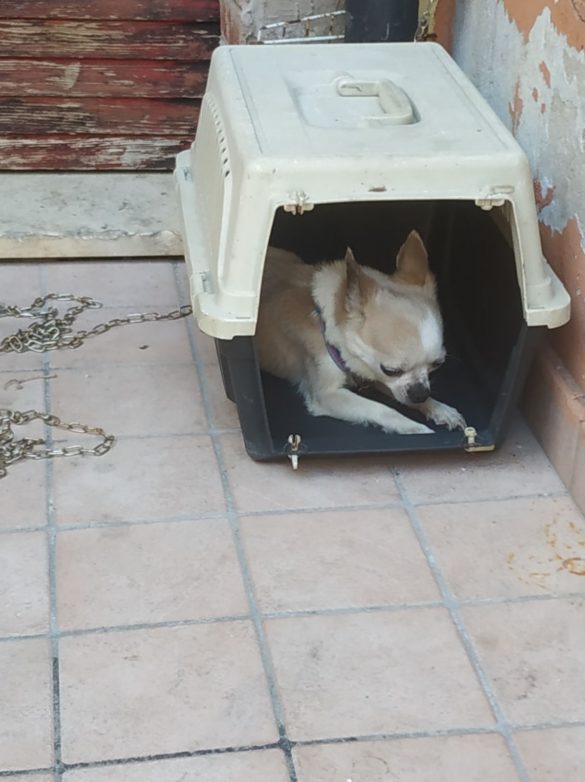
(326, 328)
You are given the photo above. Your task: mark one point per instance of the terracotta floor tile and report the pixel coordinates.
(20, 282)
(225, 413)
(141, 400)
(158, 478)
(22, 496)
(518, 468)
(182, 276)
(147, 573)
(319, 483)
(164, 690)
(115, 282)
(22, 492)
(26, 705)
(29, 395)
(159, 343)
(265, 766)
(18, 365)
(336, 559)
(24, 584)
(553, 755)
(205, 347)
(380, 672)
(509, 548)
(32, 778)
(444, 759)
(578, 483)
(533, 653)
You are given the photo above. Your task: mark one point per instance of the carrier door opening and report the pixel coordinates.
(485, 335)
(479, 296)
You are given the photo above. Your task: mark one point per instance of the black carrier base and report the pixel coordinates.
(489, 345)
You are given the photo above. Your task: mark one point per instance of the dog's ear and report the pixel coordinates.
(358, 286)
(412, 263)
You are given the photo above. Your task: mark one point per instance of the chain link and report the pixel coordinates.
(51, 331)
(12, 450)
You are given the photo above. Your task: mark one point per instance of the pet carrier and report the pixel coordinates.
(314, 148)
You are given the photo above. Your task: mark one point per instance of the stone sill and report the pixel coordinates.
(95, 215)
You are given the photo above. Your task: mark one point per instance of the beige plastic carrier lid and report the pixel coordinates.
(298, 125)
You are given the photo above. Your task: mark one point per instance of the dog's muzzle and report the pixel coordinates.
(418, 393)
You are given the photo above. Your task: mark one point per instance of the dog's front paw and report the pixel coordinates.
(444, 415)
(409, 427)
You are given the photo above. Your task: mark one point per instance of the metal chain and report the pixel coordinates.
(50, 331)
(53, 332)
(12, 450)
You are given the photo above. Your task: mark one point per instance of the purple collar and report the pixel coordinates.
(333, 351)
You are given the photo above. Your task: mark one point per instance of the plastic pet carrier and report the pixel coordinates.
(314, 148)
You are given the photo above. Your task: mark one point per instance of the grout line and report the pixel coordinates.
(212, 620)
(27, 772)
(452, 606)
(354, 739)
(96, 364)
(194, 518)
(552, 725)
(163, 436)
(252, 514)
(483, 500)
(413, 734)
(535, 598)
(232, 515)
(368, 609)
(106, 629)
(19, 530)
(271, 615)
(52, 563)
(172, 756)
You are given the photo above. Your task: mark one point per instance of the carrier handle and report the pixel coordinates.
(393, 99)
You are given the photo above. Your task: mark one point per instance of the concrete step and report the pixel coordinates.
(95, 215)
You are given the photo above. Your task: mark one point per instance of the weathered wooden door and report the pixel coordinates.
(101, 84)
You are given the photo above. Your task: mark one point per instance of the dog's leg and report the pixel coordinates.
(441, 414)
(343, 403)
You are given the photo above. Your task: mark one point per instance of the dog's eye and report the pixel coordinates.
(391, 372)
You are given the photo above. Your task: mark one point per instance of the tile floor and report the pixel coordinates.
(173, 611)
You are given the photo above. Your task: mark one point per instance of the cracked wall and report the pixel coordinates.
(527, 58)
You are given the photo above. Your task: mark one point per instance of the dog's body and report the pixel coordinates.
(323, 327)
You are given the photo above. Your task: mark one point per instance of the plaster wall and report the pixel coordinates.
(527, 58)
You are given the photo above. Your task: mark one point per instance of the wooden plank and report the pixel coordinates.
(78, 153)
(149, 10)
(116, 40)
(110, 78)
(103, 116)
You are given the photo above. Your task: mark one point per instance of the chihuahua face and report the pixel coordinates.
(391, 325)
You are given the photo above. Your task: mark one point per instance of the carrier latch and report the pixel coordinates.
(299, 203)
(292, 450)
(472, 445)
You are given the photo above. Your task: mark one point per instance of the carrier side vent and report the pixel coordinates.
(221, 139)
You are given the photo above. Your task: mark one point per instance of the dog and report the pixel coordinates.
(328, 328)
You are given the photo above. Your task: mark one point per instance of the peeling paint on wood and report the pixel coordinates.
(109, 84)
(151, 10)
(79, 153)
(117, 40)
(105, 78)
(104, 116)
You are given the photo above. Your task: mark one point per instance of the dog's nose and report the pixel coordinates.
(418, 393)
